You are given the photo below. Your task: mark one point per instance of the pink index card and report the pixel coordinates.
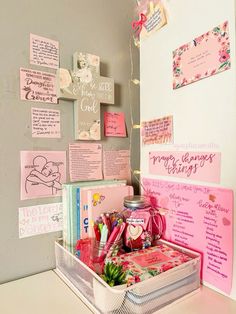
(85, 161)
(199, 218)
(38, 86)
(44, 51)
(116, 165)
(204, 56)
(158, 131)
(202, 166)
(42, 173)
(114, 124)
(46, 123)
(40, 219)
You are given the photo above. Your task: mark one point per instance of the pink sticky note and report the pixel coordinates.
(116, 165)
(42, 173)
(114, 124)
(202, 166)
(199, 218)
(204, 56)
(85, 161)
(38, 86)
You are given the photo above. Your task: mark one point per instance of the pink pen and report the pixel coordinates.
(110, 241)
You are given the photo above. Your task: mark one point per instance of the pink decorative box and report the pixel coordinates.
(147, 263)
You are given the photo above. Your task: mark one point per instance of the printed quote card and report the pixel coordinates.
(204, 56)
(40, 219)
(42, 173)
(85, 161)
(45, 123)
(158, 131)
(199, 218)
(37, 86)
(44, 51)
(202, 166)
(116, 165)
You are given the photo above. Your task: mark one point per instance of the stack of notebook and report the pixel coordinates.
(83, 202)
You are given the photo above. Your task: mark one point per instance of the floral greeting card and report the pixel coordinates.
(204, 56)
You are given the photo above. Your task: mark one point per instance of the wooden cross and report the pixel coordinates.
(88, 89)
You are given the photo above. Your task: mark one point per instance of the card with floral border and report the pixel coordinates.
(204, 56)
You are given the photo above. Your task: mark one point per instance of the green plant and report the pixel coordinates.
(113, 274)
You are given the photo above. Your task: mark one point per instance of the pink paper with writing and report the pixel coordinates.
(158, 131)
(116, 165)
(200, 218)
(40, 219)
(204, 56)
(85, 161)
(37, 86)
(202, 166)
(146, 260)
(44, 51)
(46, 123)
(114, 124)
(42, 173)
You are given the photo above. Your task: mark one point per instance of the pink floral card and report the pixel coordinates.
(204, 56)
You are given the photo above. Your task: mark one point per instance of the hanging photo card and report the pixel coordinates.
(199, 218)
(202, 166)
(40, 219)
(44, 51)
(204, 56)
(114, 124)
(45, 123)
(42, 173)
(116, 165)
(38, 86)
(152, 17)
(158, 131)
(85, 161)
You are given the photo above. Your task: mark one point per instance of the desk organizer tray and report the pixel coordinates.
(146, 297)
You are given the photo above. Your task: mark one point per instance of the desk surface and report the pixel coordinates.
(46, 293)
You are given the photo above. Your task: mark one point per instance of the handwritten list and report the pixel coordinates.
(200, 218)
(40, 219)
(45, 123)
(114, 124)
(44, 51)
(158, 131)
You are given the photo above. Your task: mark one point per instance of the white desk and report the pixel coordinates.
(46, 293)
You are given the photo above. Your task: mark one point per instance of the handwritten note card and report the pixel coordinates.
(42, 173)
(203, 166)
(37, 86)
(85, 161)
(40, 219)
(45, 123)
(114, 124)
(204, 56)
(116, 165)
(200, 218)
(44, 51)
(158, 131)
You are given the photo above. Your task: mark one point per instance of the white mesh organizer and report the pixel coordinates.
(146, 297)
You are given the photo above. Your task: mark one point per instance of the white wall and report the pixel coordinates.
(204, 112)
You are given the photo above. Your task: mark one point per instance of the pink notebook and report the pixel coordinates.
(103, 200)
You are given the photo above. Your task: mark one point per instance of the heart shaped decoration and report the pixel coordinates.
(135, 231)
